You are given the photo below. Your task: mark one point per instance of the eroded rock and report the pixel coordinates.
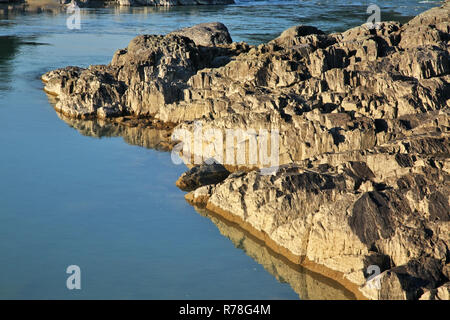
(362, 121)
(206, 34)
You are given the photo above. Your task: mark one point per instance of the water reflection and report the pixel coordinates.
(142, 134)
(307, 284)
(149, 133)
(9, 46)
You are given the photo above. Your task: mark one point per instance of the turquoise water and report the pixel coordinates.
(108, 206)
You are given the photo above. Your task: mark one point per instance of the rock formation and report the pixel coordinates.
(206, 34)
(307, 284)
(362, 121)
(199, 176)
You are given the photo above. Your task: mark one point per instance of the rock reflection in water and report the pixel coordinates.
(9, 47)
(307, 284)
(147, 133)
(143, 134)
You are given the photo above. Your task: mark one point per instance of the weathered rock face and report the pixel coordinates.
(151, 72)
(350, 216)
(362, 126)
(206, 34)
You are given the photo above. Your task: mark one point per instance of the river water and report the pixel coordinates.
(104, 198)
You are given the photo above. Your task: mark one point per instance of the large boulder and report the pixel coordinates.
(202, 175)
(206, 34)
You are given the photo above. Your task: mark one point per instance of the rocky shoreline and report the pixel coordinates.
(308, 282)
(12, 7)
(363, 123)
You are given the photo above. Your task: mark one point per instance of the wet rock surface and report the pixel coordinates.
(202, 175)
(363, 124)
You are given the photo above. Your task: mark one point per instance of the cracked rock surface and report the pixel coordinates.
(364, 143)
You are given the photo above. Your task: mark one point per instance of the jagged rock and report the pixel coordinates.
(202, 175)
(206, 34)
(411, 280)
(151, 72)
(294, 36)
(361, 121)
(86, 93)
(321, 213)
(441, 293)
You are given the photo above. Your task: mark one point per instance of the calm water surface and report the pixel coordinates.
(111, 207)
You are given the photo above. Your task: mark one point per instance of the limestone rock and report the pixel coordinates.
(206, 34)
(361, 134)
(319, 212)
